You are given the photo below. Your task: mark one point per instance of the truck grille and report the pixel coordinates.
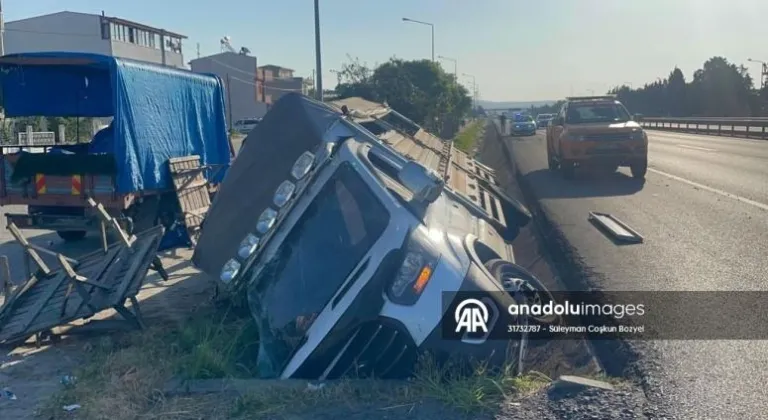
(374, 350)
(607, 137)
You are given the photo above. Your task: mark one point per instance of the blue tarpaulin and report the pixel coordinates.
(159, 112)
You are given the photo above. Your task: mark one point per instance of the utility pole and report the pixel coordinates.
(198, 50)
(2, 30)
(318, 57)
(229, 100)
(455, 68)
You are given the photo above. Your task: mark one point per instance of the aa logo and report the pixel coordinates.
(471, 316)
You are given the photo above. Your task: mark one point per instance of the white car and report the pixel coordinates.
(245, 125)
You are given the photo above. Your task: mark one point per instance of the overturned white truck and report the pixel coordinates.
(348, 227)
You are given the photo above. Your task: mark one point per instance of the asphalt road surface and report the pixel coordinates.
(703, 211)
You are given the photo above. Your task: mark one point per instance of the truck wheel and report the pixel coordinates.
(567, 169)
(551, 162)
(522, 285)
(639, 169)
(71, 235)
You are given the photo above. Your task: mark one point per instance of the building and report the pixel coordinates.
(278, 81)
(91, 33)
(245, 96)
(238, 72)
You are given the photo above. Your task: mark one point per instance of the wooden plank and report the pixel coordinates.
(28, 249)
(136, 262)
(55, 284)
(5, 275)
(192, 191)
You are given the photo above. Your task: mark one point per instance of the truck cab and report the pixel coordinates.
(360, 224)
(596, 131)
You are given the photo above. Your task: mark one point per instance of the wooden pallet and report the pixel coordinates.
(192, 191)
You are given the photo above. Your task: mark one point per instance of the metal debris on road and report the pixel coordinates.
(615, 227)
(7, 393)
(68, 380)
(71, 407)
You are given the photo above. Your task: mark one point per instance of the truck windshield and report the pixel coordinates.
(327, 243)
(596, 113)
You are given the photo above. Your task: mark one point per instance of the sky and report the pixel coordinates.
(516, 50)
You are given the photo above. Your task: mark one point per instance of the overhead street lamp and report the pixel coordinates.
(763, 73)
(474, 89)
(455, 66)
(318, 57)
(433, 33)
(2, 30)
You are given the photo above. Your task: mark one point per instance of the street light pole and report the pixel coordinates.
(2, 30)
(318, 57)
(763, 73)
(433, 33)
(474, 89)
(455, 67)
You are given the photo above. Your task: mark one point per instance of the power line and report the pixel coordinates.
(266, 86)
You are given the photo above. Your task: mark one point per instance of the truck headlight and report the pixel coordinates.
(416, 271)
(247, 246)
(302, 165)
(284, 193)
(230, 270)
(266, 220)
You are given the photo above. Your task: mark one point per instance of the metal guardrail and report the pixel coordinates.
(750, 127)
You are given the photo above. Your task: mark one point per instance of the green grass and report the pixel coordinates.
(124, 375)
(467, 138)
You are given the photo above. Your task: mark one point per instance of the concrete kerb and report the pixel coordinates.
(181, 387)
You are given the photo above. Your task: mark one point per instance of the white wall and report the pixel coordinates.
(152, 55)
(76, 32)
(65, 31)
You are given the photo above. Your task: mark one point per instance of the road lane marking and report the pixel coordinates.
(696, 148)
(712, 190)
(703, 137)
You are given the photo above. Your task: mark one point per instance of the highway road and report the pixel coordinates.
(703, 211)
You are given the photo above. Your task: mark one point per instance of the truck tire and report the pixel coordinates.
(551, 162)
(568, 169)
(71, 235)
(639, 169)
(516, 278)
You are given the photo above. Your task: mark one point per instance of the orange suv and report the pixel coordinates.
(596, 131)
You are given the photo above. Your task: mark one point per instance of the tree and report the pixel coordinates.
(718, 89)
(418, 89)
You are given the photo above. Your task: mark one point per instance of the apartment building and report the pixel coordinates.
(277, 82)
(239, 74)
(92, 33)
